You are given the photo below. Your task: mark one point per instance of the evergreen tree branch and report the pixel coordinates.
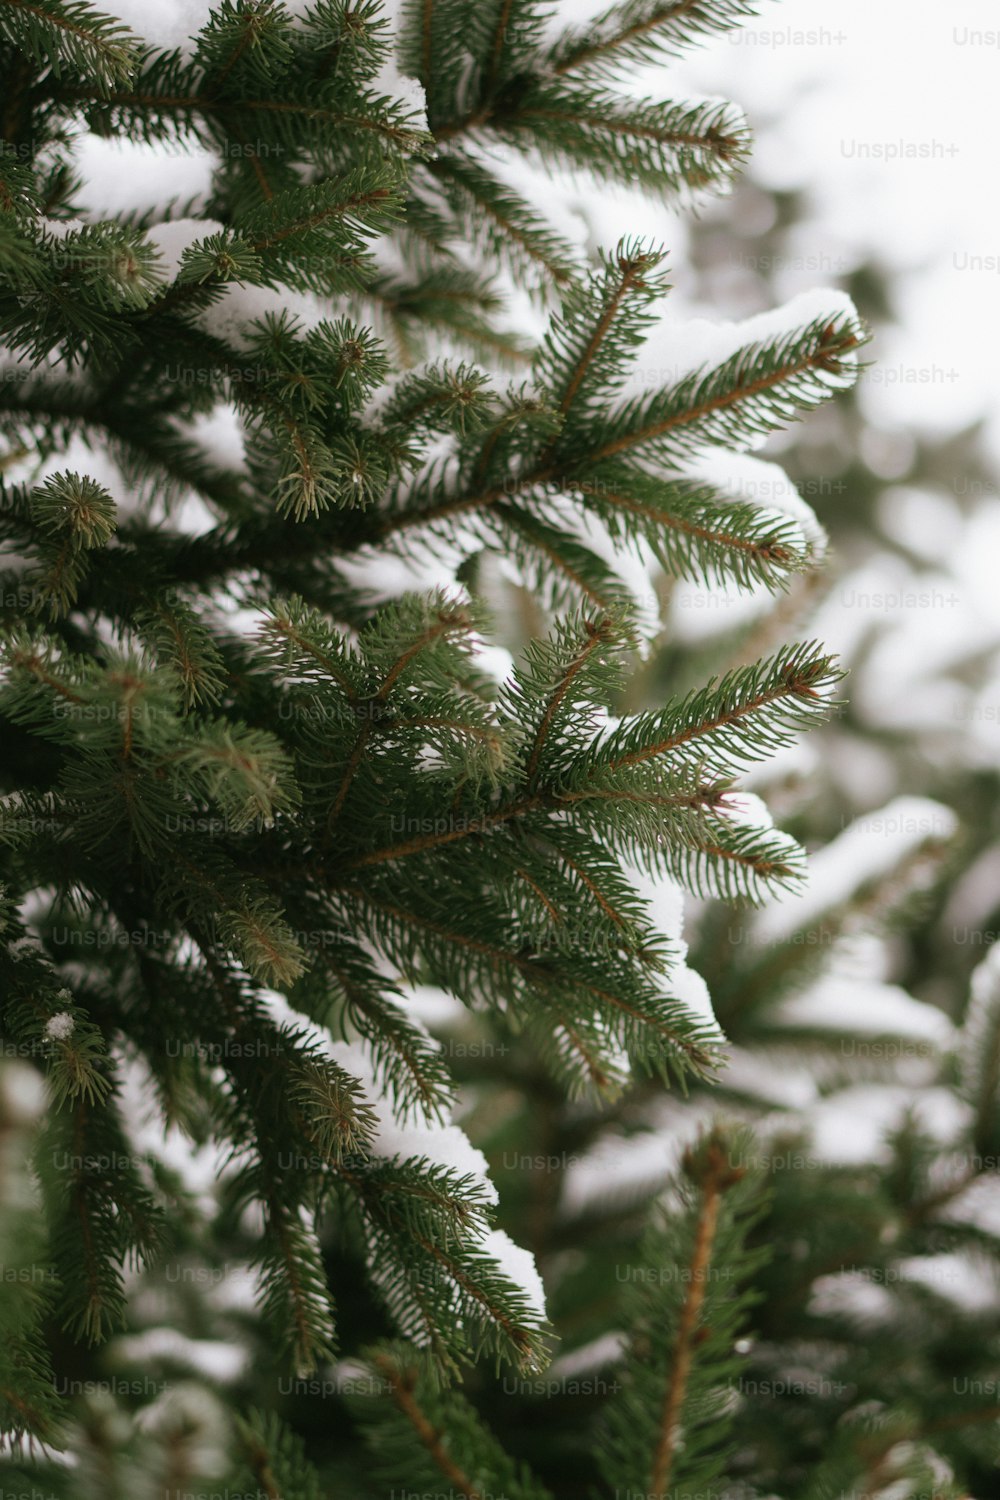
(301, 1310)
(670, 1041)
(404, 138)
(251, 29)
(497, 45)
(519, 237)
(629, 274)
(349, 809)
(726, 404)
(639, 28)
(416, 1076)
(276, 1459)
(710, 1194)
(598, 634)
(693, 529)
(703, 401)
(669, 1429)
(726, 716)
(421, 843)
(70, 32)
(378, 198)
(433, 1434)
(590, 580)
(401, 1385)
(447, 623)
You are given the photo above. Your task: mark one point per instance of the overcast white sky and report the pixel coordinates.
(886, 112)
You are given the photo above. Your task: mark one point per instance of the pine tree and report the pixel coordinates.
(872, 1363)
(259, 799)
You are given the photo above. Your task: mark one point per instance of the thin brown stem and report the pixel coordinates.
(680, 1372)
(598, 634)
(401, 1388)
(584, 54)
(719, 402)
(496, 51)
(426, 841)
(706, 726)
(444, 623)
